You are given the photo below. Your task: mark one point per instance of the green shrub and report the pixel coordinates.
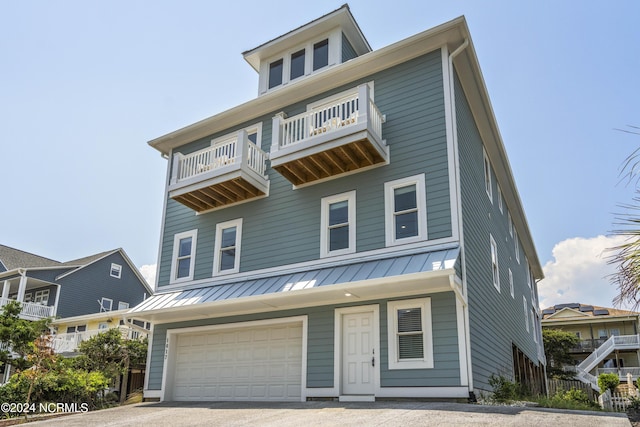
(503, 389)
(571, 399)
(608, 381)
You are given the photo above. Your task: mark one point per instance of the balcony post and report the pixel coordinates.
(175, 168)
(363, 103)
(242, 149)
(22, 288)
(5, 290)
(276, 137)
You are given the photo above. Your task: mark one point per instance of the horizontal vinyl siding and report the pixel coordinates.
(348, 52)
(320, 345)
(496, 319)
(286, 225)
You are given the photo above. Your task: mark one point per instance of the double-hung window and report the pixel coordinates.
(495, 271)
(409, 334)
(184, 252)
(116, 270)
(226, 258)
(338, 224)
(487, 175)
(275, 73)
(320, 54)
(41, 297)
(405, 210)
(297, 64)
(511, 284)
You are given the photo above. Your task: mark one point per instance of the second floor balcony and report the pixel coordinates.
(31, 310)
(70, 342)
(335, 137)
(231, 170)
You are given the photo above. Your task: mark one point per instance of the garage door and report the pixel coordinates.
(257, 363)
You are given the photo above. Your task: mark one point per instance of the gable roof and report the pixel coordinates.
(13, 258)
(577, 311)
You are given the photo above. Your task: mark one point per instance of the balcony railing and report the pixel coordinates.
(339, 136)
(30, 310)
(69, 342)
(230, 171)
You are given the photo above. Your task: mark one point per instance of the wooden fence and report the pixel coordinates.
(564, 385)
(618, 402)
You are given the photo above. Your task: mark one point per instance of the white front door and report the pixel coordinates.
(359, 354)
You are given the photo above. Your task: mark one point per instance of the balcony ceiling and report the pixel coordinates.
(217, 195)
(338, 160)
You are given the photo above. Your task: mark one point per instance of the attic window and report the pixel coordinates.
(320, 54)
(275, 73)
(116, 270)
(297, 64)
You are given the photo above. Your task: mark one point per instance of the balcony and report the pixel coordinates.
(337, 137)
(69, 342)
(231, 171)
(30, 310)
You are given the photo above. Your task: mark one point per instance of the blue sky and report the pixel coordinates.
(84, 86)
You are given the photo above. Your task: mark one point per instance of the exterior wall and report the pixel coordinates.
(80, 291)
(286, 225)
(320, 348)
(496, 318)
(348, 52)
(591, 330)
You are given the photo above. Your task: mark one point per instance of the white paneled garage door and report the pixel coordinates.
(257, 363)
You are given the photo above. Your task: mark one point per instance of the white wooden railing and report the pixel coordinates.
(31, 310)
(231, 151)
(69, 342)
(355, 107)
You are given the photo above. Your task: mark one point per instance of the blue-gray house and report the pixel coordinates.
(353, 232)
(47, 288)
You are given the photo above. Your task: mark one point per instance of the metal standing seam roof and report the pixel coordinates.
(326, 276)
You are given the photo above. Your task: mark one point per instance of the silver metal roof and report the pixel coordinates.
(316, 278)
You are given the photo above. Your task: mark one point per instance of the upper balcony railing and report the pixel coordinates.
(338, 136)
(30, 310)
(69, 342)
(229, 171)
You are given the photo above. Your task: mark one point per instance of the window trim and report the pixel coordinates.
(516, 244)
(500, 202)
(495, 265)
(392, 334)
(487, 175)
(511, 284)
(122, 305)
(510, 223)
(256, 127)
(270, 67)
(103, 300)
(389, 209)
(326, 202)
(43, 295)
(526, 312)
(218, 243)
(174, 257)
(117, 268)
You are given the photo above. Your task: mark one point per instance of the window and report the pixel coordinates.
(511, 283)
(226, 258)
(106, 304)
(338, 224)
(297, 64)
(487, 176)
(409, 334)
(102, 326)
(494, 264)
(27, 297)
(320, 54)
(184, 252)
(78, 328)
(499, 199)
(526, 261)
(526, 312)
(516, 244)
(275, 73)
(533, 325)
(405, 210)
(116, 270)
(41, 297)
(510, 223)
(122, 305)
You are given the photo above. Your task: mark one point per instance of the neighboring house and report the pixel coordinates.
(354, 232)
(46, 288)
(609, 340)
(69, 332)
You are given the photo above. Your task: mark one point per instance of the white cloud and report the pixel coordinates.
(579, 272)
(149, 273)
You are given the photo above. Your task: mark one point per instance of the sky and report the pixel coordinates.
(85, 85)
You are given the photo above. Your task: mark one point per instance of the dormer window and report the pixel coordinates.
(297, 64)
(275, 73)
(321, 54)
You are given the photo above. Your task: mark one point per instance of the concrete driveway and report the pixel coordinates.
(311, 414)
